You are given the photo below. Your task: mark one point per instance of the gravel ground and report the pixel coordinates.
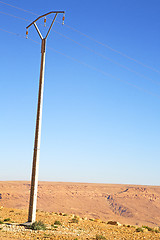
(82, 229)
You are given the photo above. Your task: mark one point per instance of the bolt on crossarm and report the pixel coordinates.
(35, 165)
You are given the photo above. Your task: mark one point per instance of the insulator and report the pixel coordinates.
(27, 34)
(63, 19)
(45, 22)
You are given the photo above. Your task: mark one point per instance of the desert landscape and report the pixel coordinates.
(91, 69)
(127, 205)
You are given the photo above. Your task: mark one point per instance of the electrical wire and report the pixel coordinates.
(16, 34)
(87, 65)
(105, 73)
(107, 58)
(91, 50)
(92, 39)
(112, 49)
(11, 15)
(21, 9)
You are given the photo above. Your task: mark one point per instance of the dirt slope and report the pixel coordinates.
(128, 204)
(62, 226)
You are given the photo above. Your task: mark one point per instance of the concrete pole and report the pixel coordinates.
(35, 166)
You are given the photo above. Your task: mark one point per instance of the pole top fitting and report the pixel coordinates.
(44, 15)
(27, 33)
(63, 18)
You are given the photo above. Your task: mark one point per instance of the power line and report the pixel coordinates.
(21, 9)
(16, 34)
(11, 15)
(112, 49)
(105, 73)
(87, 65)
(107, 58)
(91, 38)
(91, 50)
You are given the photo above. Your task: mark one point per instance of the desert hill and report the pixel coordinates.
(127, 204)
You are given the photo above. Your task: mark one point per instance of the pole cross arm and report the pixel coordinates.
(44, 15)
(38, 30)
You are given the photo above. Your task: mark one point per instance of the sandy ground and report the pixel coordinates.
(67, 229)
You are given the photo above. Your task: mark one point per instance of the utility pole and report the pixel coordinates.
(35, 166)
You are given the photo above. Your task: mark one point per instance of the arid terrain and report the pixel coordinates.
(63, 226)
(127, 204)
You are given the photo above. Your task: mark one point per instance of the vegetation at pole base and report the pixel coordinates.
(139, 229)
(100, 237)
(1, 222)
(46, 236)
(57, 223)
(74, 220)
(65, 215)
(38, 226)
(149, 228)
(54, 226)
(6, 219)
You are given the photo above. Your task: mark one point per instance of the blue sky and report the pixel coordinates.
(101, 109)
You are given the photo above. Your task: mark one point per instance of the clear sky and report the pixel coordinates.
(101, 111)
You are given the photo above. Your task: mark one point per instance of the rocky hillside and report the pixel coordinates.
(128, 204)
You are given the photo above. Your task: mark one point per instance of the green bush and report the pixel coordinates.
(100, 237)
(75, 219)
(54, 226)
(46, 235)
(1, 222)
(6, 219)
(38, 226)
(57, 223)
(139, 229)
(149, 228)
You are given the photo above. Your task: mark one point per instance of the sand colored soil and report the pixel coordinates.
(67, 229)
(127, 204)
